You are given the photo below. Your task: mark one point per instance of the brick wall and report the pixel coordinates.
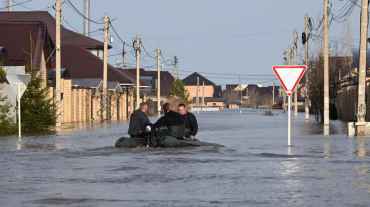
(83, 105)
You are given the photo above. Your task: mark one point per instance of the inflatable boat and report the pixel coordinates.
(164, 142)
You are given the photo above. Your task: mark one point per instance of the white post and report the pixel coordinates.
(289, 101)
(19, 109)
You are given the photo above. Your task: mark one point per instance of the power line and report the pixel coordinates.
(237, 55)
(15, 5)
(217, 37)
(78, 12)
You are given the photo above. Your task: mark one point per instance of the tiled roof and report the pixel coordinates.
(16, 38)
(83, 64)
(68, 37)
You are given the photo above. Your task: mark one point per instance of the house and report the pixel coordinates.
(212, 92)
(67, 36)
(191, 85)
(166, 83)
(18, 37)
(80, 55)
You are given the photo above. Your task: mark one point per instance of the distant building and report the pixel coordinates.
(212, 92)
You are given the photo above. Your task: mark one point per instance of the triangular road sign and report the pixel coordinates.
(23, 80)
(289, 76)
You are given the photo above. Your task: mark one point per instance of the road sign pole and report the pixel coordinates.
(289, 101)
(19, 109)
(289, 77)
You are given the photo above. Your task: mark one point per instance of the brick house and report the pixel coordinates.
(211, 90)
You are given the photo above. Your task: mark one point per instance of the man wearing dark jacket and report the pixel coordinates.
(191, 125)
(138, 120)
(173, 121)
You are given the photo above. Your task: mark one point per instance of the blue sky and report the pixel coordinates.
(216, 36)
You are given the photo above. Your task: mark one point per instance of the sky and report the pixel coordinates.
(216, 38)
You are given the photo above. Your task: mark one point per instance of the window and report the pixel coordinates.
(94, 52)
(101, 52)
(213, 104)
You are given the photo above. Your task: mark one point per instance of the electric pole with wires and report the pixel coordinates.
(361, 105)
(123, 56)
(240, 88)
(284, 93)
(175, 67)
(58, 62)
(137, 73)
(289, 63)
(307, 109)
(295, 63)
(104, 112)
(159, 81)
(326, 63)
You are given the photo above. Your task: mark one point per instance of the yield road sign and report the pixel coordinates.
(289, 76)
(22, 80)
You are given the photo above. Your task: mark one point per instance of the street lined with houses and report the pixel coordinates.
(169, 103)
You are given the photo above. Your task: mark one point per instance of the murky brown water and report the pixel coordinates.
(245, 162)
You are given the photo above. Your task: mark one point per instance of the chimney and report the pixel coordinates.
(87, 15)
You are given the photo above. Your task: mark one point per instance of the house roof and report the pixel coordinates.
(68, 37)
(142, 72)
(96, 83)
(83, 64)
(231, 87)
(16, 37)
(209, 99)
(164, 75)
(232, 102)
(87, 82)
(191, 80)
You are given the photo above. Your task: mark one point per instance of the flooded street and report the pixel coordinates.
(245, 162)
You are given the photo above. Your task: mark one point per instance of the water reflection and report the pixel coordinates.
(362, 170)
(326, 130)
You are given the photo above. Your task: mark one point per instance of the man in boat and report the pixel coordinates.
(191, 124)
(173, 121)
(138, 120)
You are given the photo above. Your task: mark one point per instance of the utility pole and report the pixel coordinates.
(203, 95)
(197, 99)
(289, 63)
(240, 88)
(10, 5)
(307, 109)
(87, 15)
(159, 82)
(105, 76)
(273, 93)
(284, 93)
(138, 73)
(123, 56)
(326, 63)
(295, 63)
(175, 67)
(361, 107)
(58, 62)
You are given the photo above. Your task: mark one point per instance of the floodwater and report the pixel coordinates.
(245, 162)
